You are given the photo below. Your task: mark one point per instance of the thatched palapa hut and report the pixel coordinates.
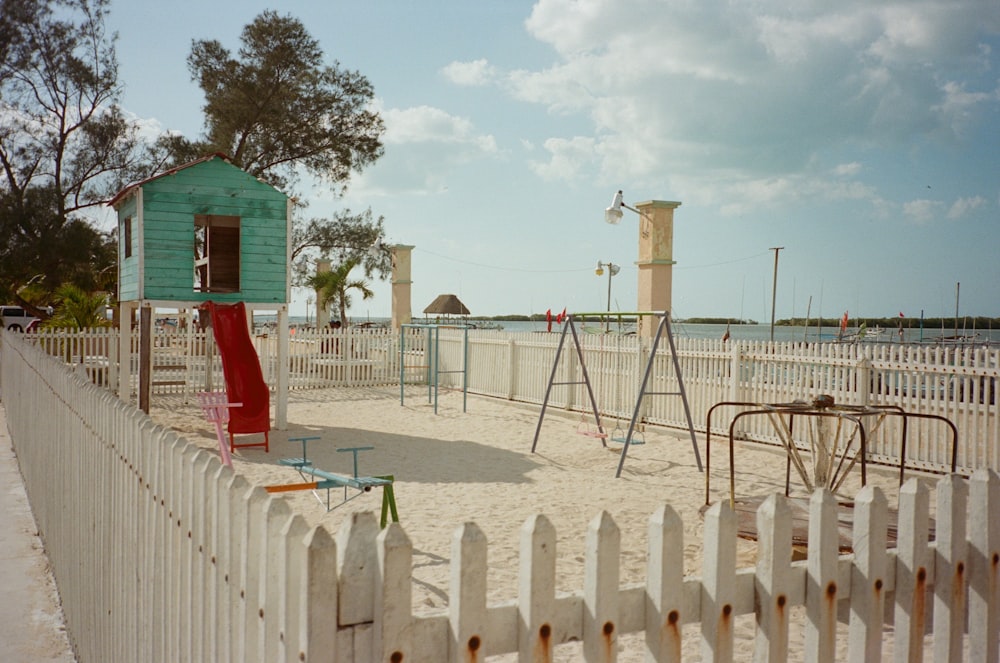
(446, 305)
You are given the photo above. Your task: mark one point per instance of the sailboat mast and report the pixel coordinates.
(957, 288)
(805, 328)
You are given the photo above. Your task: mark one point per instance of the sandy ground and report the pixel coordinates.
(454, 467)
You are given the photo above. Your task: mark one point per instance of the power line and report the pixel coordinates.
(724, 262)
(584, 269)
(503, 268)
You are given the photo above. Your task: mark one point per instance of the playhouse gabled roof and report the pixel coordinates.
(132, 188)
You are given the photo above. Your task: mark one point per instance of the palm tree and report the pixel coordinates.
(333, 287)
(78, 309)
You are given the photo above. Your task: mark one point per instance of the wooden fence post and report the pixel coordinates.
(950, 568)
(536, 593)
(320, 588)
(984, 567)
(912, 573)
(666, 609)
(773, 580)
(273, 581)
(357, 561)
(718, 583)
(868, 576)
(864, 377)
(512, 368)
(600, 590)
(393, 631)
(467, 607)
(822, 592)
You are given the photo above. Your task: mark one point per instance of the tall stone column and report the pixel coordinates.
(656, 259)
(401, 284)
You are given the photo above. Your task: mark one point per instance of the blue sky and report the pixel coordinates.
(863, 137)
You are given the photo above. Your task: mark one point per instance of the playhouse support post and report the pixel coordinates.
(145, 356)
(281, 397)
(125, 318)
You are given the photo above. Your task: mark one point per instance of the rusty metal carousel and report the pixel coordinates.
(831, 446)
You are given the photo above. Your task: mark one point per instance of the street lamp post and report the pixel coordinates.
(612, 270)
(656, 261)
(774, 287)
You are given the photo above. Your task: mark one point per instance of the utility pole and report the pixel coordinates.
(774, 286)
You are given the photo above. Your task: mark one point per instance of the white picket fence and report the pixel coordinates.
(961, 384)
(161, 553)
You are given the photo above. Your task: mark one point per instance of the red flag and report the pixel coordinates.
(901, 314)
(562, 315)
(843, 322)
(548, 319)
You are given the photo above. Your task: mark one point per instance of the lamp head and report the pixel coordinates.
(600, 268)
(613, 214)
(614, 269)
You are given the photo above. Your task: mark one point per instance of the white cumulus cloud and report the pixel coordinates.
(745, 97)
(963, 206)
(477, 72)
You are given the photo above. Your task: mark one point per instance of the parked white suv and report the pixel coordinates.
(16, 318)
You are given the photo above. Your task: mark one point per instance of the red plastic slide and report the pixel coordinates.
(244, 379)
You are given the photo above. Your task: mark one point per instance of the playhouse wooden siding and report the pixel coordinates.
(128, 274)
(167, 234)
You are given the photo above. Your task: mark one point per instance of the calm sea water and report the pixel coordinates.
(783, 334)
(911, 331)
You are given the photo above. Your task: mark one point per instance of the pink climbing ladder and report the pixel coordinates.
(216, 407)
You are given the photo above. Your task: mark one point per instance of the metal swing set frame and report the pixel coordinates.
(663, 330)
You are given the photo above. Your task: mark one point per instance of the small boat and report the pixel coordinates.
(485, 324)
(960, 339)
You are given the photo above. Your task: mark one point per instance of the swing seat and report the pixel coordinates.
(638, 435)
(590, 431)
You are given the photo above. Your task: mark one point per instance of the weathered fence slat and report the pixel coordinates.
(355, 543)
(912, 573)
(536, 590)
(822, 589)
(467, 608)
(666, 611)
(950, 568)
(319, 588)
(274, 591)
(984, 568)
(868, 586)
(773, 580)
(600, 590)
(719, 584)
(393, 637)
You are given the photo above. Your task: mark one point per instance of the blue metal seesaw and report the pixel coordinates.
(329, 480)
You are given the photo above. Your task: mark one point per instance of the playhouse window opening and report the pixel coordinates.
(216, 253)
(127, 236)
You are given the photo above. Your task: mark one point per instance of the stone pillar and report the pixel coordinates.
(322, 316)
(401, 283)
(656, 260)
